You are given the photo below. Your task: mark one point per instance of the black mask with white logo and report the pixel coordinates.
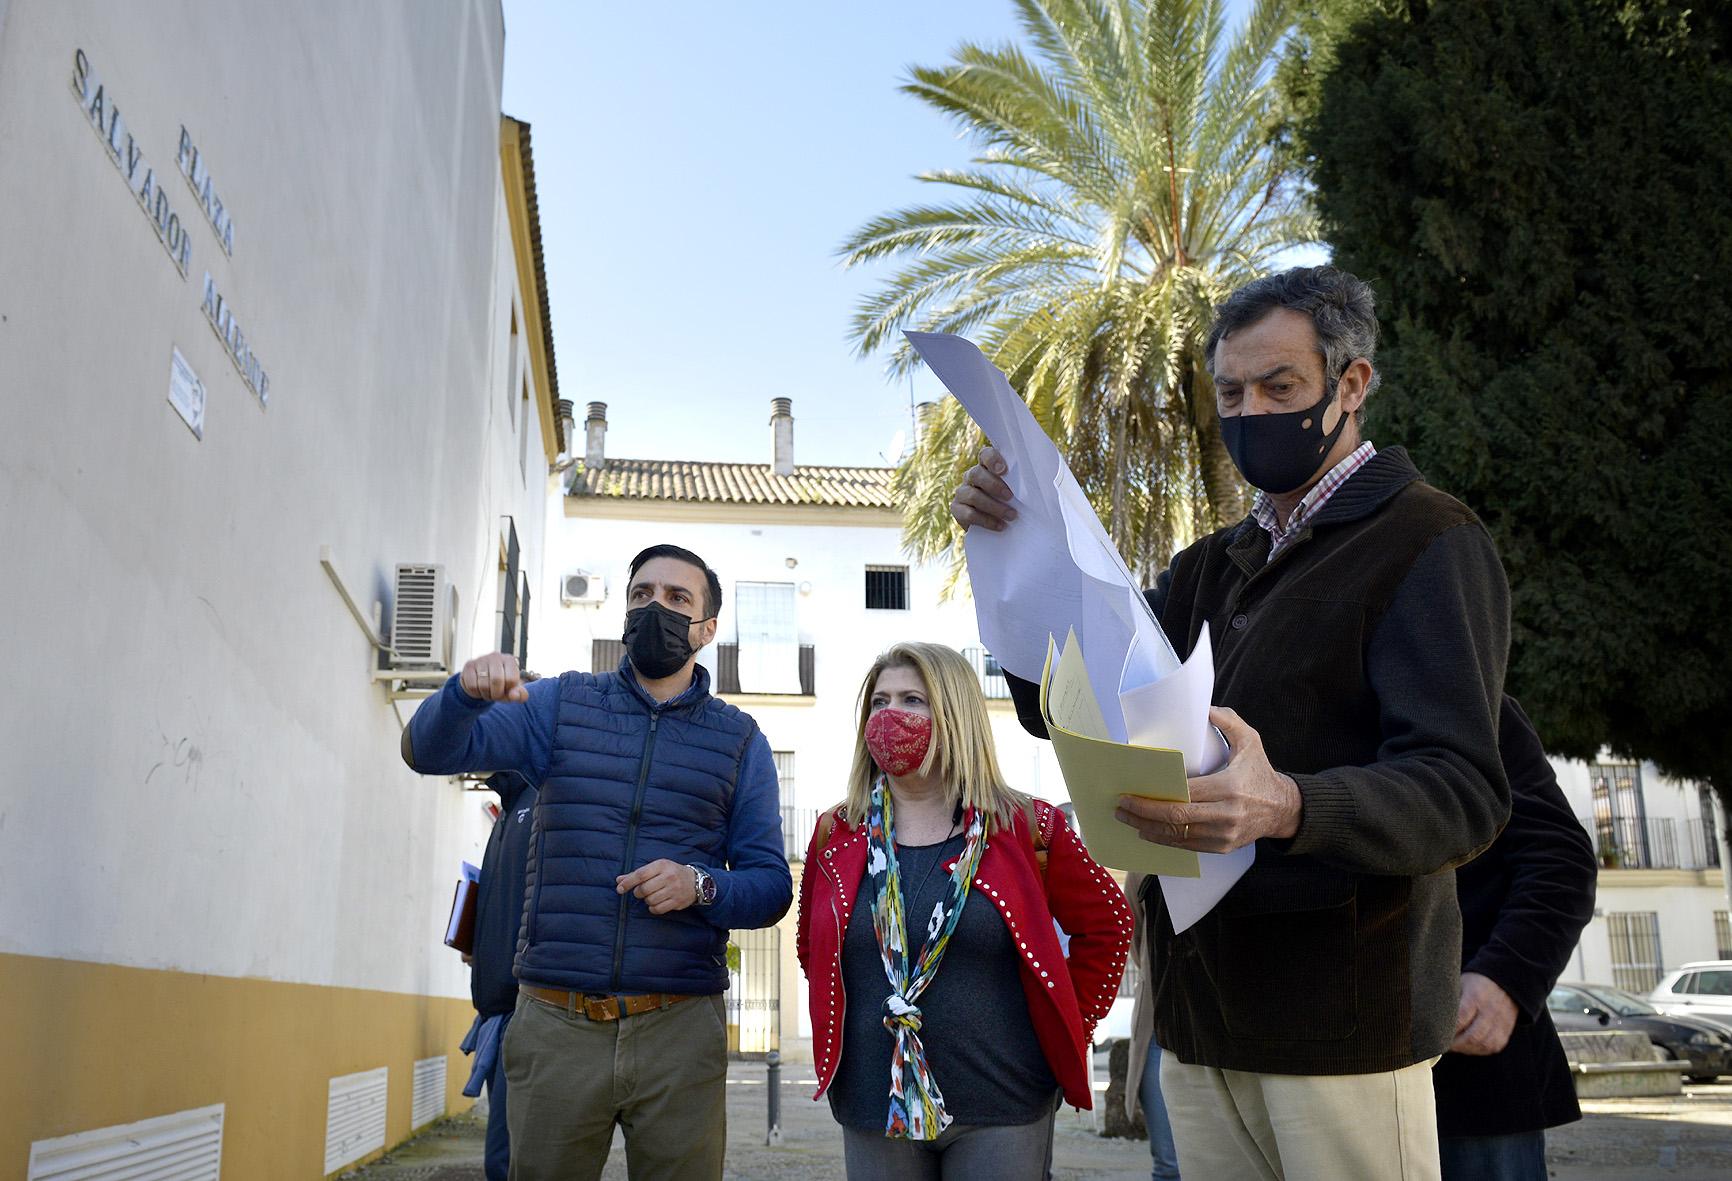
(1279, 452)
(658, 640)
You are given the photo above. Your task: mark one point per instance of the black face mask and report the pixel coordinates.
(658, 640)
(1279, 452)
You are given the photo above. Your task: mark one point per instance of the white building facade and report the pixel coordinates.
(271, 323)
(1662, 898)
(815, 585)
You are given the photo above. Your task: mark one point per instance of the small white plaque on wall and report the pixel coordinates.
(186, 394)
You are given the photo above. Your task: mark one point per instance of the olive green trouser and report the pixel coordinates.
(661, 1076)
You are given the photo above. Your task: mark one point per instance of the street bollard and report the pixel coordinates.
(773, 1098)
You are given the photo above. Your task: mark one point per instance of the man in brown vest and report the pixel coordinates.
(1360, 621)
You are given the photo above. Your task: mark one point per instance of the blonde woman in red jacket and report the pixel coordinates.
(947, 1023)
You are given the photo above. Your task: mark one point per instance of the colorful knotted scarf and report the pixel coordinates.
(916, 1104)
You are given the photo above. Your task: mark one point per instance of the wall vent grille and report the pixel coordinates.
(185, 1146)
(355, 1117)
(428, 1103)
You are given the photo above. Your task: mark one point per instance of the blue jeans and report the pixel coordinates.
(497, 1158)
(1164, 1156)
(1521, 1157)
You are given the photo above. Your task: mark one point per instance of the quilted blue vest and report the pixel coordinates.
(629, 782)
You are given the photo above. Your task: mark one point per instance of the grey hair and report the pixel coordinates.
(1342, 308)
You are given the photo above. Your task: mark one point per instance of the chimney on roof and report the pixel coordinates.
(566, 419)
(782, 435)
(595, 437)
(924, 419)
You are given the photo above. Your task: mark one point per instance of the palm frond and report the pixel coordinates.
(1123, 184)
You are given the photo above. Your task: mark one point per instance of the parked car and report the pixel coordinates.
(1701, 990)
(1590, 1008)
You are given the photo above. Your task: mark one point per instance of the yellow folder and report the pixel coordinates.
(1098, 770)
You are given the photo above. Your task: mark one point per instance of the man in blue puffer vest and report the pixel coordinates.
(657, 831)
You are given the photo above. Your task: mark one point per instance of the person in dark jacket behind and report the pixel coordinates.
(493, 988)
(1524, 902)
(1359, 621)
(657, 831)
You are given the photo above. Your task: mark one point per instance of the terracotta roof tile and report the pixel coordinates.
(735, 483)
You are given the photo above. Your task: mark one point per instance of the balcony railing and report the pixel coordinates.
(605, 656)
(992, 682)
(1702, 842)
(1626, 842)
(797, 826)
(728, 670)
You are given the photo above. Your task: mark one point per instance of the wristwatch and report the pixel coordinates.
(706, 885)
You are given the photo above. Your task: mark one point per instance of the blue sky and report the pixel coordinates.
(696, 166)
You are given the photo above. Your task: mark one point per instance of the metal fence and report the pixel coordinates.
(992, 682)
(797, 826)
(1702, 843)
(1627, 842)
(605, 656)
(754, 997)
(728, 668)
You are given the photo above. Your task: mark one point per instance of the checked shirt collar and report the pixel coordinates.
(1263, 509)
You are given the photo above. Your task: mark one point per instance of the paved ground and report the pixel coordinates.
(1683, 1138)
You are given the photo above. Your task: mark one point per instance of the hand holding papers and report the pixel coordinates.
(1056, 569)
(1056, 572)
(1099, 770)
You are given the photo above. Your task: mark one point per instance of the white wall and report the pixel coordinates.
(846, 637)
(1686, 917)
(201, 774)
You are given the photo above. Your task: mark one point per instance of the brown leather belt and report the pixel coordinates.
(602, 1008)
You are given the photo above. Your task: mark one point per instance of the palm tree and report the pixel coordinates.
(1125, 182)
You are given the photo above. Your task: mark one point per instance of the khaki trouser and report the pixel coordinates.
(661, 1075)
(1233, 1124)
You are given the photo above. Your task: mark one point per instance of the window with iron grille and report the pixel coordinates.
(784, 775)
(605, 655)
(511, 586)
(511, 362)
(1703, 834)
(1722, 936)
(887, 588)
(523, 623)
(1636, 961)
(1619, 815)
(523, 433)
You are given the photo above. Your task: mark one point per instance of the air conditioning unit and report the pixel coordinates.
(580, 586)
(423, 619)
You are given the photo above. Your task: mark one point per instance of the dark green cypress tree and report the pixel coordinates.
(1541, 192)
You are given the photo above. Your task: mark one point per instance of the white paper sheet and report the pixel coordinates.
(1173, 713)
(1025, 589)
(1024, 586)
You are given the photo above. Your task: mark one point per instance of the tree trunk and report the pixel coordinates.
(1220, 477)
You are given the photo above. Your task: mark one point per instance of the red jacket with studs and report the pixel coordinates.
(1066, 998)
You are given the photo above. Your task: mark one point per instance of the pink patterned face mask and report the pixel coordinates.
(898, 739)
